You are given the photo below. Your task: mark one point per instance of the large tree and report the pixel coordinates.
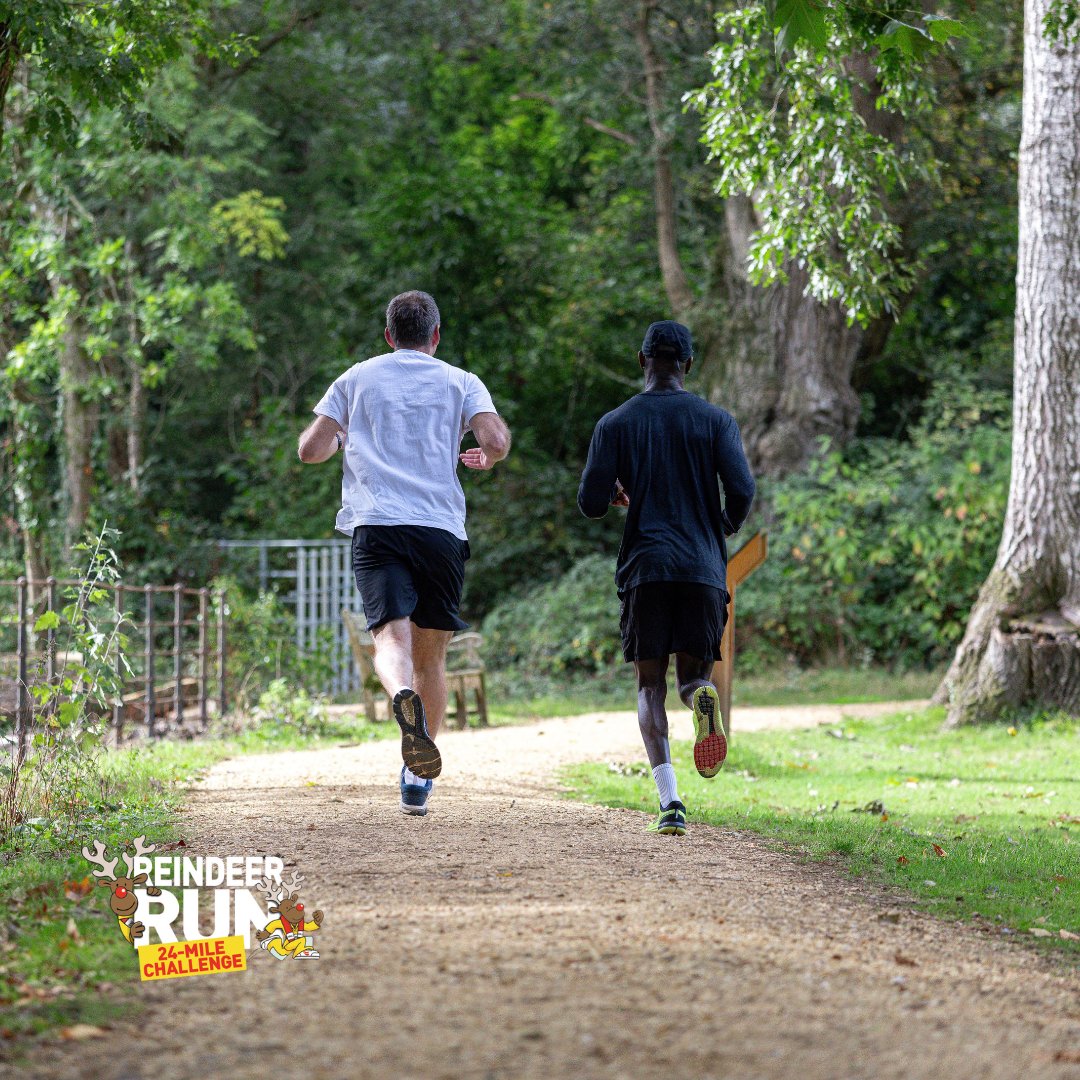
(1021, 647)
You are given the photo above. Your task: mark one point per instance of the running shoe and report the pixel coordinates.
(414, 797)
(710, 744)
(418, 749)
(672, 820)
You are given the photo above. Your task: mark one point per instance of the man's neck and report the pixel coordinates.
(428, 350)
(654, 381)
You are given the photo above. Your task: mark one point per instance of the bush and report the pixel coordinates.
(877, 553)
(567, 625)
(261, 647)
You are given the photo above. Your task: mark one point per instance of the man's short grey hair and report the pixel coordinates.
(412, 318)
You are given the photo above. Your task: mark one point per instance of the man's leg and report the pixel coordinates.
(393, 655)
(429, 667)
(691, 672)
(397, 673)
(653, 722)
(652, 712)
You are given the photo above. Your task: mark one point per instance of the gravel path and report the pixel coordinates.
(512, 934)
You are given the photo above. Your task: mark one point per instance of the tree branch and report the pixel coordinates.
(588, 121)
(676, 285)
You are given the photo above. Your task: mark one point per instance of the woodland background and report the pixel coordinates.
(186, 269)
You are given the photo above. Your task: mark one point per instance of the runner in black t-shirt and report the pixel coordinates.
(660, 455)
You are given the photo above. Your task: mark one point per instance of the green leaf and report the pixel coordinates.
(912, 41)
(800, 20)
(49, 620)
(942, 28)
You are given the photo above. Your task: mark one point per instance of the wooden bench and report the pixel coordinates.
(464, 672)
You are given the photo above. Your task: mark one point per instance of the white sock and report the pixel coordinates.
(412, 778)
(664, 775)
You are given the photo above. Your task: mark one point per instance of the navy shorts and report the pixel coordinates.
(665, 617)
(410, 572)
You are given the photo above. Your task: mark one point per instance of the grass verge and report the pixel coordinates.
(516, 695)
(63, 964)
(981, 824)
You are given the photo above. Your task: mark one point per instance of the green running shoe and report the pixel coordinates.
(710, 745)
(672, 820)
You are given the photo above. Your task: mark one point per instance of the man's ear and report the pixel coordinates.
(389, 339)
(689, 363)
(435, 337)
(641, 359)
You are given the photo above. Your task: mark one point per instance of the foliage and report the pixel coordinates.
(880, 794)
(804, 142)
(49, 779)
(262, 652)
(570, 624)
(877, 553)
(281, 707)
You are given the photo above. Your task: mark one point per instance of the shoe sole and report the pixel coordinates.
(413, 811)
(672, 830)
(418, 750)
(710, 745)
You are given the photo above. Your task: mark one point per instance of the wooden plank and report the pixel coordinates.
(747, 559)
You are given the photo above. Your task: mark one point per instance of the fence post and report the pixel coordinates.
(148, 656)
(204, 595)
(50, 637)
(301, 598)
(178, 653)
(118, 703)
(21, 695)
(221, 651)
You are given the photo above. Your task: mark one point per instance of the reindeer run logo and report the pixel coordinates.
(142, 905)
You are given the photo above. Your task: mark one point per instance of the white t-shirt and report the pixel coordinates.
(405, 414)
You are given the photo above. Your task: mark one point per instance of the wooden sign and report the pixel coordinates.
(740, 566)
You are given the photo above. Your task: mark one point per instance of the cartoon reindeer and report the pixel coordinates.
(290, 933)
(123, 901)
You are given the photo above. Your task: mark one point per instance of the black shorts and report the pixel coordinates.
(410, 572)
(665, 617)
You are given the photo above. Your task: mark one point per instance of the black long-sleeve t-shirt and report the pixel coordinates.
(668, 449)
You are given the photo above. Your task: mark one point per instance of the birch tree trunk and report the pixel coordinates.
(1021, 648)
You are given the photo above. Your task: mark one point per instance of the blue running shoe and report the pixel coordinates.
(414, 797)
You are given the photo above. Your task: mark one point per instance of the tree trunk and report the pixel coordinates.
(1022, 644)
(676, 284)
(81, 411)
(780, 361)
(776, 358)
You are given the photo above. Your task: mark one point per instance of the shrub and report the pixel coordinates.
(566, 625)
(876, 554)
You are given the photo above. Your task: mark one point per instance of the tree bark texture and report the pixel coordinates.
(1021, 645)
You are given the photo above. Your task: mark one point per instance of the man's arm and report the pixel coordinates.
(599, 480)
(320, 440)
(734, 472)
(493, 436)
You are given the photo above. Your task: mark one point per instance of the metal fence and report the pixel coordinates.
(172, 671)
(315, 579)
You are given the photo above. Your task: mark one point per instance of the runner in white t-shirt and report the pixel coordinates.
(400, 418)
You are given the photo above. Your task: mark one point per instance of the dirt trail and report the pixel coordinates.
(511, 934)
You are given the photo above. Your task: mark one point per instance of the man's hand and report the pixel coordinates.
(621, 498)
(476, 459)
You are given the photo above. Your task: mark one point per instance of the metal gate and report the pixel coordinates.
(315, 579)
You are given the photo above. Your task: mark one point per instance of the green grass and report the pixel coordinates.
(62, 959)
(515, 696)
(830, 686)
(1004, 810)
